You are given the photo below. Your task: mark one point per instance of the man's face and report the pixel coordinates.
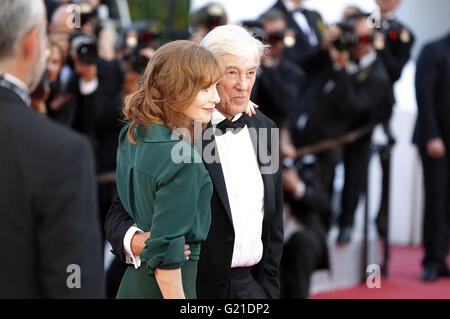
(297, 2)
(362, 29)
(236, 84)
(275, 26)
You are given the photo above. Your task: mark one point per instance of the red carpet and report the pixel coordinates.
(403, 281)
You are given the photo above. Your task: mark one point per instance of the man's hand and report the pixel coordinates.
(436, 148)
(332, 33)
(292, 182)
(138, 243)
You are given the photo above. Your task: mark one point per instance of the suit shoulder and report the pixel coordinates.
(265, 121)
(314, 14)
(50, 133)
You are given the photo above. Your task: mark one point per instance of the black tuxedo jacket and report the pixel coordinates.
(216, 253)
(48, 216)
(433, 93)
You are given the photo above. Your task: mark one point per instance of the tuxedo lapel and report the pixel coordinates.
(269, 190)
(215, 169)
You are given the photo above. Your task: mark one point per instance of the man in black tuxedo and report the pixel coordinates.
(432, 137)
(345, 95)
(310, 33)
(48, 216)
(241, 256)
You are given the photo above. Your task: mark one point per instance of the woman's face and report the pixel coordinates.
(54, 64)
(203, 106)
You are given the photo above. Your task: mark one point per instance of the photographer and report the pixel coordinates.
(279, 81)
(352, 91)
(309, 30)
(97, 85)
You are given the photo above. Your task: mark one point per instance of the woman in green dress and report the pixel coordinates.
(161, 179)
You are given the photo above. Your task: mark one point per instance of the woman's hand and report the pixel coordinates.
(251, 109)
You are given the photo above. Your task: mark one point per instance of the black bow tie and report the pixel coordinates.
(227, 125)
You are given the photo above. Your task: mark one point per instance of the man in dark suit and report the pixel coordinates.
(432, 137)
(241, 256)
(310, 33)
(48, 212)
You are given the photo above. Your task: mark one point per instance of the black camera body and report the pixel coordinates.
(86, 48)
(348, 38)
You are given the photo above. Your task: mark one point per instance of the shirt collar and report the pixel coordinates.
(364, 62)
(218, 117)
(367, 59)
(16, 85)
(390, 16)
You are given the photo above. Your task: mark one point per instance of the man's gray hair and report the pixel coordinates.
(17, 17)
(234, 40)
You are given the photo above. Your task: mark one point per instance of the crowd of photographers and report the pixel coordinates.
(321, 85)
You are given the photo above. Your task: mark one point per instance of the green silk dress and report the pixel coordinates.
(165, 187)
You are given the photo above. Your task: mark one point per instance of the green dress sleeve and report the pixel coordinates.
(175, 209)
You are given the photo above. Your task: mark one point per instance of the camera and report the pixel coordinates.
(142, 34)
(257, 29)
(348, 38)
(86, 48)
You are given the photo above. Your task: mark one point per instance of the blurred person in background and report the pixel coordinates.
(279, 82)
(373, 98)
(48, 98)
(352, 90)
(207, 18)
(432, 137)
(62, 31)
(48, 204)
(61, 105)
(97, 86)
(310, 33)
